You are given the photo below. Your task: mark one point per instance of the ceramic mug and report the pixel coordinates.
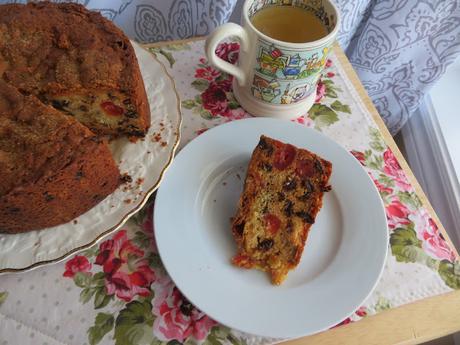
(275, 78)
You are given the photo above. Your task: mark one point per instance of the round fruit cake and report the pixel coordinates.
(69, 79)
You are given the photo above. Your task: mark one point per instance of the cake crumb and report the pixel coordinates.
(224, 183)
(156, 137)
(139, 181)
(75, 221)
(163, 143)
(125, 178)
(127, 201)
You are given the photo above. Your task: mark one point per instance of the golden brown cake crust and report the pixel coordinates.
(52, 167)
(282, 195)
(58, 50)
(63, 196)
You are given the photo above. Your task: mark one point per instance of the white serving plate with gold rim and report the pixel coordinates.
(145, 161)
(340, 266)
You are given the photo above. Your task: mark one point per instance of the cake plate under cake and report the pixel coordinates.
(144, 161)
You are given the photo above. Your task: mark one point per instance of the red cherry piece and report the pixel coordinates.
(242, 260)
(272, 223)
(305, 168)
(112, 109)
(284, 156)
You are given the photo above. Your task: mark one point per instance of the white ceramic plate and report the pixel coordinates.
(342, 261)
(145, 161)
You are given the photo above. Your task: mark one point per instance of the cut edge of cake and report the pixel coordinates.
(73, 169)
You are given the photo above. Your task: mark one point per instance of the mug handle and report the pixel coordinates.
(221, 33)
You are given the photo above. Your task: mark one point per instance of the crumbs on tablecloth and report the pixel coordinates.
(139, 181)
(127, 201)
(163, 143)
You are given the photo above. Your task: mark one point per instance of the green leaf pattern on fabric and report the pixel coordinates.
(338, 106)
(82, 279)
(189, 104)
(222, 335)
(133, 325)
(200, 84)
(405, 245)
(382, 304)
(101, 299)
(322, 115)
(3, 296)
(167, 51)
(450, 273)
(167, 55)
(103, 324)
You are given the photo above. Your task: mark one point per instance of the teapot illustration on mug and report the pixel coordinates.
(264, 89)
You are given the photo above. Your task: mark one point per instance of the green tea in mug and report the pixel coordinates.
(289, 24)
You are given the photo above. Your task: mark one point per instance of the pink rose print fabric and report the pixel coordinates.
(393, 169)
(177, 318)
(78, 264)
(127, 273)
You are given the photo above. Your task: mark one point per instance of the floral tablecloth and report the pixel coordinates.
(118, 292)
